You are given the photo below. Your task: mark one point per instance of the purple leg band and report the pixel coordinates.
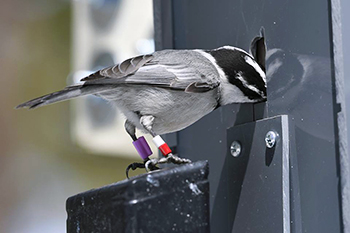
(142, 147)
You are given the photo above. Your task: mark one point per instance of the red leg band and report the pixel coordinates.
(165, 149)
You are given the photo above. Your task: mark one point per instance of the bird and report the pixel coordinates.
(169, 90)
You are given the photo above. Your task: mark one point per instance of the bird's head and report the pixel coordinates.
(243, 70)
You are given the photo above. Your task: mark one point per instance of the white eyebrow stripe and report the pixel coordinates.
(256, 66)
(234, 48)
(247, 85)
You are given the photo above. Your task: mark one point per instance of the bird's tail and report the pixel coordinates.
(65, 94)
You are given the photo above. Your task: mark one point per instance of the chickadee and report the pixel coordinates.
(169, 90)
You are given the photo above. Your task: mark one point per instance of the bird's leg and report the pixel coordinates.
(147, 122)
(141, 147)
(130, 129)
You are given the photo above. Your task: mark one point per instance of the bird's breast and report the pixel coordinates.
(173, 109)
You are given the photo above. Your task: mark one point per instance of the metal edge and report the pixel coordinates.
(339, 111)
(163, 24)
(285, 173)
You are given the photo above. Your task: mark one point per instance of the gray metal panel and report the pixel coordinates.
(207, 139)
(163, 24)
(301, 84)
(258, 191)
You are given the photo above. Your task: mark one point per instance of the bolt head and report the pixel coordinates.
(235, 148)
(270, 139)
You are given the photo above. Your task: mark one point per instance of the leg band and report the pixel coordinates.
(162, 146)
(142, 147)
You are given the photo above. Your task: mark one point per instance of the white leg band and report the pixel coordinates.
(158, 141)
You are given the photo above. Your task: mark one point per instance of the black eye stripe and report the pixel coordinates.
(232, 62)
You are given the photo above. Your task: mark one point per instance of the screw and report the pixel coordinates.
(235, 149)
(270, 139)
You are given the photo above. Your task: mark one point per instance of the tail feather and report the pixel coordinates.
(65, 94)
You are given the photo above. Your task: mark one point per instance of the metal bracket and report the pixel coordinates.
(259, 185)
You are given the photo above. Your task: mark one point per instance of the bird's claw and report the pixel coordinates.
(169, 159)
(135, 166)
(151, 164)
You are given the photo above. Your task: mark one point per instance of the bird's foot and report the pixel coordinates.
(135, 166)
(170, 158)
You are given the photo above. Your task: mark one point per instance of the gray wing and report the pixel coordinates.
(180, 73)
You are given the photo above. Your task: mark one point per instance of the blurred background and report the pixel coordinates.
(51, 153)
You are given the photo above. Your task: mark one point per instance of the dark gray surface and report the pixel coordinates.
(258, 187)
(163, 24)
(169, 200)
(301, 84)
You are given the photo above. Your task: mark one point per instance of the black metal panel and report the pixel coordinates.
(301, 84)
(175, 199)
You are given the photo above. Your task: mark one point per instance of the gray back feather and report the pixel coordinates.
(175, 69)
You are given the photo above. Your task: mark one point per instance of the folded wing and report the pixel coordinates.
(145, 70)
